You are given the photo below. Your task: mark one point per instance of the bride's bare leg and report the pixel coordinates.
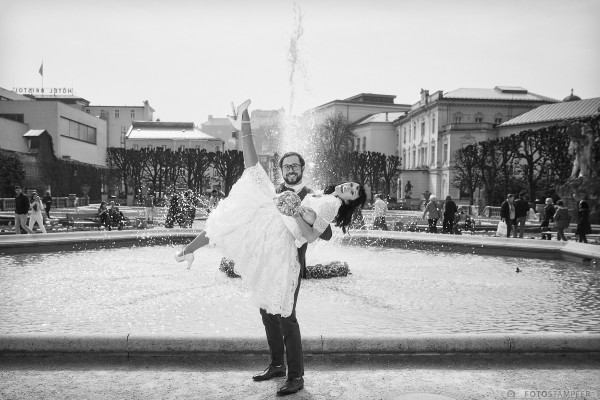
(200, 241)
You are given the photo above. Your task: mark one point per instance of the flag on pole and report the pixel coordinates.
(42, 69)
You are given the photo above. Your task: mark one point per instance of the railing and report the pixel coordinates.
(490, 212)
(8, 203)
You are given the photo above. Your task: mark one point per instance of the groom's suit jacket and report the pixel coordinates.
(326, 235)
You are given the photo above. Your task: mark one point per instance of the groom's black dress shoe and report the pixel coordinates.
(291, 386)
(270, 372)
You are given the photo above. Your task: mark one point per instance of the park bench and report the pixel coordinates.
(82, 220)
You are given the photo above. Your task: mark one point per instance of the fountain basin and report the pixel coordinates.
(90, 285)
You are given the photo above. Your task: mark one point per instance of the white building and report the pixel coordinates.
(170, 135)
(441, 123)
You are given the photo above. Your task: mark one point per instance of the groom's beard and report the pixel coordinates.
(292, 178)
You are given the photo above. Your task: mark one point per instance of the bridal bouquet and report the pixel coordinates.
(287, 203)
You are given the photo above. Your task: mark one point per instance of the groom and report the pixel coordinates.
(283, 333)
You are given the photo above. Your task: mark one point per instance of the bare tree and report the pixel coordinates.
(229, 166)
(467, 174)
(196, 163)
(332, 140)
(391, 169)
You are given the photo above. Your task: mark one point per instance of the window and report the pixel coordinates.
(181, 148)
(116, 113)
(498, 120)
(414, 131)
(132, 114)
(358, 145)
(404, 134)
(478, 118)
(77, 131)
(414, 158)
(102, 113)
(136, 146)
(422, 130)
(150, 147)
(432, 154)
(445, 152)
(364, 144)
(433, 125)
(87, 110)
(14, 117)
(457, 119)
(217, 148)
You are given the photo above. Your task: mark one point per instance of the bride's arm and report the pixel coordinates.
(309, 233)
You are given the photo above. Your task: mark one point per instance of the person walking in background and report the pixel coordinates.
(562, 219)
(149, 207)
(21, 211)
(434, 214)
(47, 200)
(35, 207)
(380, 208)
(508, 213)
(583, 222)
(547, 216)
(521, 210)
(450, 210)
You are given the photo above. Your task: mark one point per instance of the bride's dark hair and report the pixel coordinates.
(343, 219)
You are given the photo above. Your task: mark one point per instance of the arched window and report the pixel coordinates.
(498, 118)
(478, 118)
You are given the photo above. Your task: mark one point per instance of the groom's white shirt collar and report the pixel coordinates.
(296, 188)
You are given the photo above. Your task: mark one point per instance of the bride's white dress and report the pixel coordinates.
(250, 229)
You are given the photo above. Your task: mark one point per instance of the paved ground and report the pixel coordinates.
(342, 377)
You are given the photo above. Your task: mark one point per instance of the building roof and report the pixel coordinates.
(34, 132)
(380, 117)
(367, 99)
(10, 95)
(217, 121)
(557, 112)
(167, 130)
(497, 93)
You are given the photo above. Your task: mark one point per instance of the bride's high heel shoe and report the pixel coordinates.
(236, 120)
(189, 257)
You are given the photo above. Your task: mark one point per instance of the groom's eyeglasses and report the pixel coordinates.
(288, 168)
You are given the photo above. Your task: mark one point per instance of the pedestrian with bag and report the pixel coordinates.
(562, 219)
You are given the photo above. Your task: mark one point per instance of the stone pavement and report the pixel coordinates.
(326, 377)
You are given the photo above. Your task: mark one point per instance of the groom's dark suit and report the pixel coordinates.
(283, 333)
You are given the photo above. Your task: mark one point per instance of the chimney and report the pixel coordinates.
(424, 96)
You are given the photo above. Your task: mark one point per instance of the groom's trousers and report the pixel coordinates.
(283, 333)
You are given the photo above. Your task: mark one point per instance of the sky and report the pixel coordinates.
(192, 58)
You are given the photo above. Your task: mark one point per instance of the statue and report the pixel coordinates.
(407, 190)
(582, 139)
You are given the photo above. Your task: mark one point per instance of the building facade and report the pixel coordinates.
(75, 134)
(119, 119)
(441, 123)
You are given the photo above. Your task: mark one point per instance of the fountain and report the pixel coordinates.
(399, 283)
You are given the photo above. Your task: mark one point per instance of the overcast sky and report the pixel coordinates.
(192, 58)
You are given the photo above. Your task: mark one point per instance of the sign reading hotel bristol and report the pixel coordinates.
(44, 91)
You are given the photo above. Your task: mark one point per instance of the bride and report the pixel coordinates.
(260, 231)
